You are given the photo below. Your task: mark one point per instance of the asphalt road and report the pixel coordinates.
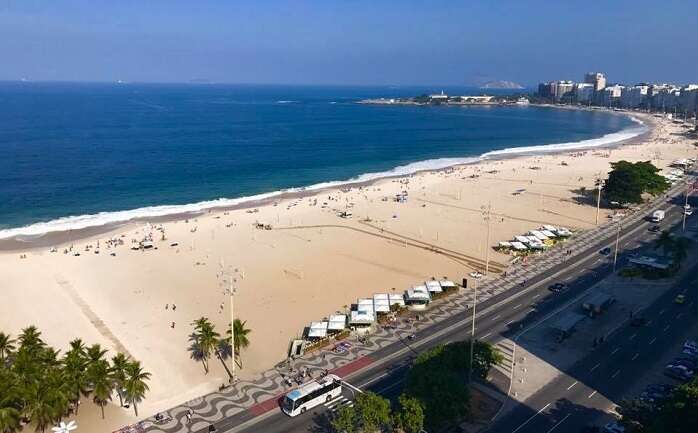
(500, 316)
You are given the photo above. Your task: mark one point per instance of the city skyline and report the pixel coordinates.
(341, 43)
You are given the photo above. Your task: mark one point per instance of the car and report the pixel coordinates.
(689, 363)
(605, 251)
(688, 212)
(476, 275)
(678, 372)
(613, 427)
(690, 353)
(655, 229)
(557, 287)
(691, 345)
(680, 299)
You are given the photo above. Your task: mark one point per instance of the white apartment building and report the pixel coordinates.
(584, 92)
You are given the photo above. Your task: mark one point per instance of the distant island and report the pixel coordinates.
(501, 84)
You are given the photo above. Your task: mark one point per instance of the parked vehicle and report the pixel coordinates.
(678, 372)
(691, 364)
(613, 427)
(658, 216)
(655, 229)
(605, 251)
(557, 287)
(680, 299)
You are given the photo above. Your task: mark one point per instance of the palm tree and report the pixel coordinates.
(118, 375)
(10, 418)
(95, 353)
(241, 340)
(6, 347)
(99, 376)
(10, 402)
(30, 339)
(205, 340)
(74, 375)
(135, 386)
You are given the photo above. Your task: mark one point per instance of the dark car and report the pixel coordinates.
(557, 287)
(677, 372)
(655, 229)
(605, 251)
(691, 364)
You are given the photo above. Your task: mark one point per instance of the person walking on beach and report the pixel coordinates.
(174, 307)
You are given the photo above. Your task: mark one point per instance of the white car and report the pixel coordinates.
(476, 275)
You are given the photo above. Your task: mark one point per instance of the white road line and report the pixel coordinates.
(652, 340)
(666, 328)
(496, 317)
(529, 420)
(509, 322)
(595, 367)
(615, 374)
(536, 296)
(615, 350)
(516, 306)
(486, 335)
(635, 357)
(661, 312)
(678, 316)
(570, 387)
(592, 394)
(632, 336)
(559, 422)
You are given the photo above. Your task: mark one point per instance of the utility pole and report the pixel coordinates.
(472, 334)
(229, 280)
(685, 206)
(599, 184)
(615, 252)
(486, 214)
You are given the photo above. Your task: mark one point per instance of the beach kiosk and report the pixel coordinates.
(318, 330)
(361, 321)
(365, 304)
(417, 298)
(337, 323)
(396, 299)
(433, 287)
(381, 303)
(447, 285)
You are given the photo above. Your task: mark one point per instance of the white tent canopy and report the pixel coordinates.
(318, 329)
(433, 286)
(337, 322)
(362, 318)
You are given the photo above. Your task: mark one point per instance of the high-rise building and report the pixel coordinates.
(561, 89)
(635, 96)
(597, 79)
(584, 92)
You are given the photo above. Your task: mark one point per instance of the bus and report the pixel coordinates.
(312, 394)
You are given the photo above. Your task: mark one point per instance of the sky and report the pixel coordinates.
(348, 42)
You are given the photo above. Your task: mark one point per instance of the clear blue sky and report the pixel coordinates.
(348, 42)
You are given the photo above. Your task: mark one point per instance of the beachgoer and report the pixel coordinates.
(174, 307)
(167, 306)
(172, 325)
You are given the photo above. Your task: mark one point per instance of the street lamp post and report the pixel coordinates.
(472, 333)
(615, 252)
(229, 280)
(689, 190)
(599, 184)
(487, 215)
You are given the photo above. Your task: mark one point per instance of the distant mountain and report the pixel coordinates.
(500, 84)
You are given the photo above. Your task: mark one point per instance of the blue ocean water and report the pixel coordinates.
(83, 149)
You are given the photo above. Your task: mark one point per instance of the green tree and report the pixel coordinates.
(135, 386)
(372, 411)
(205, 340)
(677, 414)
(410, 417)
(627, 181)
(118, 375)
(99, 377)
(10, 402)
(345, 420)
(7, 347)
(242, 340)
(95, 353)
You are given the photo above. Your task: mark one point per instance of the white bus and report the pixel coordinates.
(312, 394)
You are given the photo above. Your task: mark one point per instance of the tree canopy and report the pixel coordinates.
(627, 181)
(677, 414)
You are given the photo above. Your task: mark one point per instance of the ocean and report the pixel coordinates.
(81, 155)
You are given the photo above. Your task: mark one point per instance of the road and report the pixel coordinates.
(499, 316)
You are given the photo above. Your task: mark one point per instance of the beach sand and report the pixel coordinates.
(311, 264)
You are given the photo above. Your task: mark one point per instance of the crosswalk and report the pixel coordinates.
(337, 403)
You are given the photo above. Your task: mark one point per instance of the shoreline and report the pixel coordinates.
(18, 241)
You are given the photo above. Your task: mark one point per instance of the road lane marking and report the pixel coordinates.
(559, 422)
(666, 328)
(536, 296)
(595, 367)
(635, 357)
(615, 350)
(570, 387)
(615, 374)
(532, 416)
(661, 311)
(592, 394)
(632, 336)
(509, 322)
(486, 335)
(652, 340)
(516, 306)
(678, 316)
(496, 317)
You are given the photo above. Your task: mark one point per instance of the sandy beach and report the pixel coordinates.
(309, 265)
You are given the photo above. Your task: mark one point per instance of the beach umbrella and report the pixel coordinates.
(65, 428)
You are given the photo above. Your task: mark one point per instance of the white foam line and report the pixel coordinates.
(104, 218)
